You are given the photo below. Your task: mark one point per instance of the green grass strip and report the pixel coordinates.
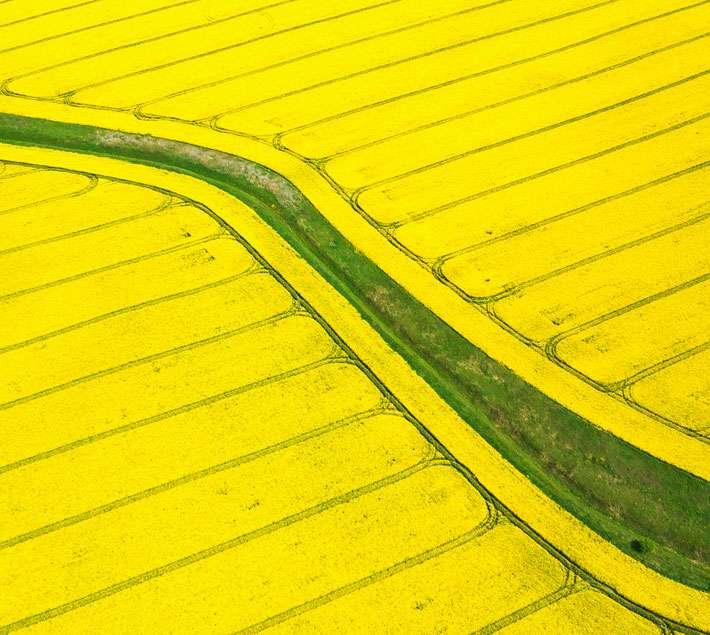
(654, 511)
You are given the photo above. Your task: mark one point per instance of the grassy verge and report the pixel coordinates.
(653, 511)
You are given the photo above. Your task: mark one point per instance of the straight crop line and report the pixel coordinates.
(666, 363)
(87, 230)
(138, 108)
(114, 265)
(532, 133)
(7, 177)
(558, 168)
(52, 12)
(550, 275)
(149, 358)
(251, 270)
(626, 394)
(180, 410)
(6, 81)
(69, 95)
(570, 586)
(468, 113)
(504, 102)
(92, 182)
(215, 118)
(481, 73)
(215, 550)
(98, 25)
(185, 479)
(484, 527)
(573, 212)
(553, 343)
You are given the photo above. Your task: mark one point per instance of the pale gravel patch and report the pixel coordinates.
(255, 175)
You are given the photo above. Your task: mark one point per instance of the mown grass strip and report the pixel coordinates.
(652, 510)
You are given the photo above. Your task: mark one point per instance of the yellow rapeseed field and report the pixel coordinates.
(188, 446)
(181, 430)
(491, 141)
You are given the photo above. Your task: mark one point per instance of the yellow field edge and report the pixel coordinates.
(603, 561)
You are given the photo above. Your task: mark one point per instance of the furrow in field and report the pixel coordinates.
(214, 312)
(532, 255)
(452, 592)
(10, 170)
(542, 199)
(586, 612)
(289, 73)
(493, 50)
(81, 18)
(17, 11)
(282, 568)
(627, 344)
(257, 493)
(68, 47)
(109, 203)
(168, 397)
(469, 177)
(679, 393)
(20, 189)
(402, 115)
(120, 290)
(83, 254)
(579, 104)
(605, 286)
(135, 60)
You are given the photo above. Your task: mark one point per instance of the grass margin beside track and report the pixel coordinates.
(653, 511)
